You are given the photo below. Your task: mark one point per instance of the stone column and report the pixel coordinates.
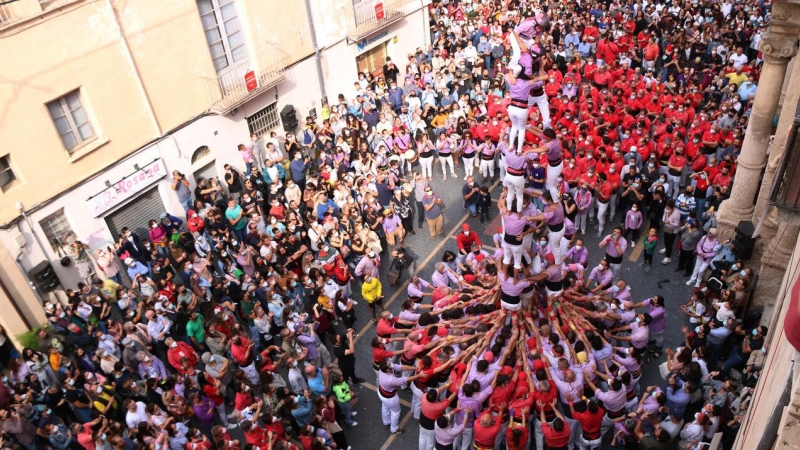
(778, 46)
(774, 264)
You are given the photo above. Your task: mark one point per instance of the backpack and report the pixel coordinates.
(307, 136)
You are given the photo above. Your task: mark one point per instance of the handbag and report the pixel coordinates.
(669, 229)
(65, 259)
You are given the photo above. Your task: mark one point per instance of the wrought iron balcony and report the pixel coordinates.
(785, 193)
(369, 16)
(245, 80)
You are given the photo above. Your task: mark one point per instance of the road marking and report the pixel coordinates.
(394, 436)
(638, 249)
(372, 387)
(431, 255)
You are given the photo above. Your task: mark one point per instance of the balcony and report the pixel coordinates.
(237, 85)
(785, 193)
(365, 20)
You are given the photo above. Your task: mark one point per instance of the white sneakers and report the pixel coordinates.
(666, 261)
(662, 251)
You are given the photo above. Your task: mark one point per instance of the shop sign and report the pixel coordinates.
(366, 42)
(127, 187)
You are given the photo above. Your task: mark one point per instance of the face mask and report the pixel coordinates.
(99, 389)
(578, 247)
(571, 165)
(189, 266)
(429, 194)
(543, 243)
(662, 180)
(62, 315)
(611, 170)
(636, 185)
(613, 307)
(71, 382)
(638, 320)
(616, 288)
(634, 209)
(755, 332)
(743, 273)
(651, 165)
(391, 316)
(698, 329)
(600, 267)
(735, 267)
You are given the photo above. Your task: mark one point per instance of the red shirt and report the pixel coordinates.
(590, 423)
(553, 438)
(485, 436)
(379, 354)
(604, 192)
(385, 328)
(256, 436)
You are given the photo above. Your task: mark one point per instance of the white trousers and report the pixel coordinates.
(464, 440)
(469, 164)
(544, 108)
(516, 189)
(700, 267)
(487, 168)
(501, 166)
(426, 166)
(554, 240)
(427, 439)
(551, 182)
(416, 400)
(519, 119)
(580, 220)
(583, 444)
(514, 251)
(390, 411)
(447, 160)
(563, 247)
(601, 215)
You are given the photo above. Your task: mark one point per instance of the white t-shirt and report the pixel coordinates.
(133, 419)
(739, 61)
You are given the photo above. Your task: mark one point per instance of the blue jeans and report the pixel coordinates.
(734, 361)
(346, 412)
(240, 234)
(117, 279)
(187, 204)
(472, 208)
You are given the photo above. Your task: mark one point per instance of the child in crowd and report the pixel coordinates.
(484, 203)
(633, 222)
(650, 245)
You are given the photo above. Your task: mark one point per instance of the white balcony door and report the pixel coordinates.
(224, 36)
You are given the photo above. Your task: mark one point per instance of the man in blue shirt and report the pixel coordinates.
(747, 90)
(319, 380)
(679, 393)
(298, 168)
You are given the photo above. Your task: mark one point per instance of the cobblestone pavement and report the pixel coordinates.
(370, 432)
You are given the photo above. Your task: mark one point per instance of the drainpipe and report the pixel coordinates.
(317, 56)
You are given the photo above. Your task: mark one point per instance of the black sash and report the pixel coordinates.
(510, 299)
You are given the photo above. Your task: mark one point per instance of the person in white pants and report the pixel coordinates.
(388, 384)
(486, 153)
(469, 149)
(425, 148)
(706, 251)
(445, 146)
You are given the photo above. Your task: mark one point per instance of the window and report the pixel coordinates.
(58, 231)
(264, 120)
(71, 120)
(7, 176)
(223, 33)
(372, 60)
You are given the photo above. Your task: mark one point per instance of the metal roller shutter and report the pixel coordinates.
(136, 214)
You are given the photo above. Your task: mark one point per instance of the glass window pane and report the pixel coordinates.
(85, 131)
(73, 101)
(69, 140)
(55, 109)
(220, 63)
(232, 26)
(235, 40)
(204, 6)
(217, 50)
(6, 176)
(228, 11)
(79, 117)
(209, 21)
(62, 125)
(239, 53)
(213, 36)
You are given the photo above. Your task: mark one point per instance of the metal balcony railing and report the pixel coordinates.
(369, 16)
(235, 85)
